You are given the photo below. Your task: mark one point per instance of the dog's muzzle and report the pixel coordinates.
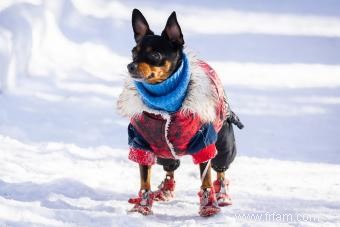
(132, 68)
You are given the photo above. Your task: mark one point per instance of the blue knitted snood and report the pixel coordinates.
(169, 94)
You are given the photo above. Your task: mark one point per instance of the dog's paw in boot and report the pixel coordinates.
(208, 203)
(165, 190)
(222, 192)
(143, 203)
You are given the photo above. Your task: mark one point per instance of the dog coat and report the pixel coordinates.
(190, 130)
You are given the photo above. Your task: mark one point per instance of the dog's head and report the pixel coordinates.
(155, 58)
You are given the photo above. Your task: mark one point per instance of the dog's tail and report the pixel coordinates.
(234, 119)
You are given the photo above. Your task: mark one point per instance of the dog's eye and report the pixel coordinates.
(156, 56)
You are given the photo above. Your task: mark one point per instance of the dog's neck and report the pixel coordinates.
(198, 99)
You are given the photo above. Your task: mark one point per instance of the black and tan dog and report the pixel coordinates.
(177, 106)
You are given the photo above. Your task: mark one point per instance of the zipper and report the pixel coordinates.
(167, 125)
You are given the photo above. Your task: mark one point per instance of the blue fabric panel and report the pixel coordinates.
(136, 140)
(203, 138)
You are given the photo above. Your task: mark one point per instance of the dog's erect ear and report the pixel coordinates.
(172, 30)
(140, 25)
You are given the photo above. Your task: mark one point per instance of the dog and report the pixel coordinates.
(177, 106)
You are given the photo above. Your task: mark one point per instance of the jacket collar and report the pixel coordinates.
(200, 99)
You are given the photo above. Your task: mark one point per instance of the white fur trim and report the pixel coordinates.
(167, 124)
(201, 98)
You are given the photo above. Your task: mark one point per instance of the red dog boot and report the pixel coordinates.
(221, 190)
(165, 190)
(143, 203)
(208, 203)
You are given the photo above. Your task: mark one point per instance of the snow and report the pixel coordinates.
(63, 148)
(238, 21)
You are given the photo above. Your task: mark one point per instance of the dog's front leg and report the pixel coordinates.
(205, 172)
(143, 203)
(208, 202)
(145, 177)
(166, 189)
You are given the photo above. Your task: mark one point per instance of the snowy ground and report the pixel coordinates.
(63, 151)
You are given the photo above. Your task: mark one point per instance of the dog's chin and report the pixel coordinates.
(136, 77)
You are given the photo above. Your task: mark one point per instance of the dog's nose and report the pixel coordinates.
(132, 67)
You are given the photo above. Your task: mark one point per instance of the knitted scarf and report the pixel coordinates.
(169, 94)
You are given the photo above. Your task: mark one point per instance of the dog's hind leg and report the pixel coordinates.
(221, 187)
(226, 148)
(220, 175)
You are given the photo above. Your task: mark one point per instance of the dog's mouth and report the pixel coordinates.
(135, 76)
(140, 78)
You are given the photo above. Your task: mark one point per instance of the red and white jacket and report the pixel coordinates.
(191, 130)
